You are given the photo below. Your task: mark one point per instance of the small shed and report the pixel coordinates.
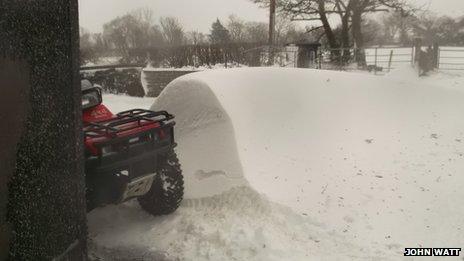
(308, 54)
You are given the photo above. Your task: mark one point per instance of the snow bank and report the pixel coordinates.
(118, 103)
(442, 78)
(206, 138)
(403, 73)
(237, 225)
(195, 68)
(289, 164)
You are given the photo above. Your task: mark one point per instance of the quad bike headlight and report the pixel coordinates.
(107, 149)
(152, 137)
(134, 140)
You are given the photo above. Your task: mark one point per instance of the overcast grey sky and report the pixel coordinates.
(199, 14)
(194, 14)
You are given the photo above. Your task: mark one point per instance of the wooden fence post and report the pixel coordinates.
(435, 57)
(417, 54)
(412, 56)
(390, 60)
(417, 49)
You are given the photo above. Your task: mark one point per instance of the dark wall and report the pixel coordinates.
(13, 108)
(158, 79)
(117, 81)
(42, 189)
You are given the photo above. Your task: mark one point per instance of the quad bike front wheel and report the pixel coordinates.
(167, 189)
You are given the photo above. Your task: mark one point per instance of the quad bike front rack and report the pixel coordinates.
(124, 122)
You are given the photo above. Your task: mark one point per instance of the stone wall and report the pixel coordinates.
(41, 155)
(156, 80)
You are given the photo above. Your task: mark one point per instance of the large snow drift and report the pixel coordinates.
(288, 164)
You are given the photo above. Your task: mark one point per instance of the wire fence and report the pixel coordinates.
(282, 56)
(378, 60)
(389, 58)
(451, 58)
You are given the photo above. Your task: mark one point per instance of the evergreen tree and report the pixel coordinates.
(219, 34)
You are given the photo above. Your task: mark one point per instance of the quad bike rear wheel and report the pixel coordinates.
(167, 189)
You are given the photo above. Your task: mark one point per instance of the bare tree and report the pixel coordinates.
(256, 32)
(100, 45)
(196, 38)
(442, 30)
(173, 31)
(87, 50)
(397, 28)
(309, 10)
(146, 34)
(155, 36)
(132, 31)
(350, 12)
(85, 38)
(361, 7)
(143, 15)
(118, 33)
(285, 31)
(236, 28)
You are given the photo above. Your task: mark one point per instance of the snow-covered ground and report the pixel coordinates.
(296, 164)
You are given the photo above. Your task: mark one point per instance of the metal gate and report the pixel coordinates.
(451, 58)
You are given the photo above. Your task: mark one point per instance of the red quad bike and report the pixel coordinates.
(129, 155)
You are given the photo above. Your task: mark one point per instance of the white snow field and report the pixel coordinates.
(297, 164)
